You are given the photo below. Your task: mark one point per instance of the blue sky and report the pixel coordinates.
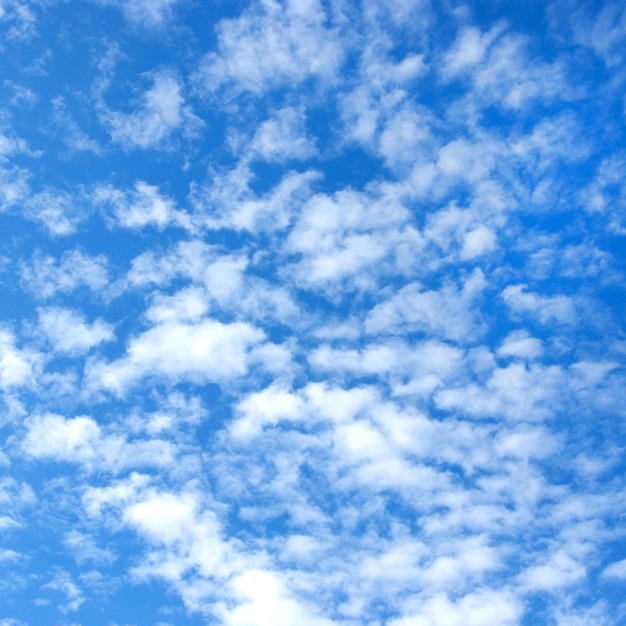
(312, 313)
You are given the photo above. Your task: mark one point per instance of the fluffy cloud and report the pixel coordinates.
(69, 333)
(160, 111)
(204, 351)
(272, 45)
(45, 276)
(82, 441)
(142, 207)
(16, 365)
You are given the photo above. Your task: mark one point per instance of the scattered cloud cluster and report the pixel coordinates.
(312, 313)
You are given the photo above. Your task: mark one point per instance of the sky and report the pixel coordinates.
(312, 313)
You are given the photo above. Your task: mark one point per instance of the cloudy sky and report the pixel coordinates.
(312, 313)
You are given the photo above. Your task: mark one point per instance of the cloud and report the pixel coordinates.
(486, 607)
(415, 309)
(219, 283)
(74, 137)
(357, 358)
(559, 571)
(606, 192)
(615, 570)
(207, 350)
(264, 599)
(144, 206)
(502, 72)
(513, 392)
(81, 440)
(10, 143)
(409, 368)
(17, 366)
(270, 46)
(84, 549)
(59, 211)
(266, 407)
(62, 583)
(346, 237)
(469, 49)
(144, 14)
(477, 242)
(16, 498)
(159, 112)
(282, 138)
(46, 276)
(545, 309)
(13, 187)
(20, 18)
(520, 344)
(229, 202)
(68, 332)
(603, 30)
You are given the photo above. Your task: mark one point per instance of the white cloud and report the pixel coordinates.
(264, 600)
(164, 517)
(16, 366)
(405, 137)
(74, 137)
(481, 608)
(469, 49)
(477, 242)
(521, 344)
(81, 440)
(377, 392)
(186, 305)
(59, 211)
(52, 436)
(560, 570)
(545, 309)
(188, 258)
(145, 14)
(411, 369)
(21, 19)
(84, 549)
(159, 113)
(204, 351)
(502, 71)
(10, 144)
(13, 187)
(45, 276)
(15, 500)
(219, 282)
(175, 411)
(514, 392)
(604, 31)
(527, 443)
(467, 234)
(447, 312)
(144, 206)
(349, 236)
(557, 139)
(465, 160)
(68, 332)
(271, 45)
(606, 193)
(615, 570)
(230, 203)
(282, 137)
(266, 407)
(62, 582)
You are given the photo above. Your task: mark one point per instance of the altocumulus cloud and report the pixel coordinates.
(312, 313)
